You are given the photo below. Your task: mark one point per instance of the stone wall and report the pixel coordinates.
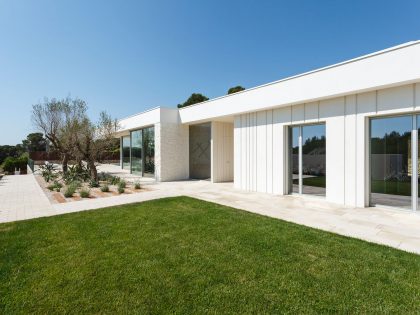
(171, 154)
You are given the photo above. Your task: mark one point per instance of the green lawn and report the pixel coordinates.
(185, 256)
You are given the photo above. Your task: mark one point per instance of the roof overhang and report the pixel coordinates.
(391, 67)
(146, 119)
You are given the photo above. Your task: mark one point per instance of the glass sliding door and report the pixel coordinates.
(416, 168)
(391, 162)
(136, 152)
(294, 160)
(313, 160)
(307, 160)
(125, 152)
(149, 151)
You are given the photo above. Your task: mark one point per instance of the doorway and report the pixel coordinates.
(307, 160)
(200, 151)
(394, 161)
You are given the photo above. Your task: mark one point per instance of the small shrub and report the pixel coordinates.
(70, 190)
(10, 164)
(48, 172)
(76, 173)
(55, 186)
(114, 180)
(57, 189)
(84, 193)
(102, 176)
(93, 183)
(137, 185)
(121, 189)
(105, 188)
(76, 184)
(122, 184)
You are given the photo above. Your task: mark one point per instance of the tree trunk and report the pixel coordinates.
(65, 162)
(93, 171)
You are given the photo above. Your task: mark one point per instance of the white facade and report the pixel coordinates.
(261, 141)
(250, 129)
(171, 141)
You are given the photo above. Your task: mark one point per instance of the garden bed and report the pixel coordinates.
(60, 189)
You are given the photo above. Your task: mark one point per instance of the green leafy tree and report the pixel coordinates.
(13, 151)
(194, 99)
(35, 142)
(235, 89)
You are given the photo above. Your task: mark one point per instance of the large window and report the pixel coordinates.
(125, 142)
(307, 172)
(138, 152)
(149, 151)
(391, 163)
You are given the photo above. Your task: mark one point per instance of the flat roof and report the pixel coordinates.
(376, 53)
(392, 66)
(385, 68)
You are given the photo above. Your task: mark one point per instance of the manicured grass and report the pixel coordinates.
(185, 256)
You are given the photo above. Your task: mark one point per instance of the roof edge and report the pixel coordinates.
(376, 53)
(146, 111)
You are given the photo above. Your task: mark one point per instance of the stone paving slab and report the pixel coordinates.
(21, 198)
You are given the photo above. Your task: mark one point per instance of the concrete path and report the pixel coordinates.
(21, 198)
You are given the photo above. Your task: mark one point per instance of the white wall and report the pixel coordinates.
(260, 141)
(140, 120)
(259, 150)
(172, 152)
(221, 152)
(148, 118)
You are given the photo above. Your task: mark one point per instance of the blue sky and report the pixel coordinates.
(127, 56)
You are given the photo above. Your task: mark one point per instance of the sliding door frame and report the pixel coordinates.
(414, 160)
(289, 149)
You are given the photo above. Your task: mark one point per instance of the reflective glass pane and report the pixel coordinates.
(136, 152)
(313, 160)
(149, 151)
(390, 161)
(418, 159)
(294, 167)
(126, 152)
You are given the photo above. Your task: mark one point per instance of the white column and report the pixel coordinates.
(414, 167)
(300, 161)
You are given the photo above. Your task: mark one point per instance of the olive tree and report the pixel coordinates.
(67, 126)
(91, 140)
(50, 118)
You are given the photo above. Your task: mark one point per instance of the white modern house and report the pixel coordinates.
(347, 133)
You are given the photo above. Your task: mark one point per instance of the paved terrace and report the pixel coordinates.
(21, 198)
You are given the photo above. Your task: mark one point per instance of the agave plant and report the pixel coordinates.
(48, 171)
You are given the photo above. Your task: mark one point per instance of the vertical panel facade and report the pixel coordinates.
(261, 141)
(222, 150)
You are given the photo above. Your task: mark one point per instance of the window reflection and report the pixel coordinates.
(390, 161)
(126, 152)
